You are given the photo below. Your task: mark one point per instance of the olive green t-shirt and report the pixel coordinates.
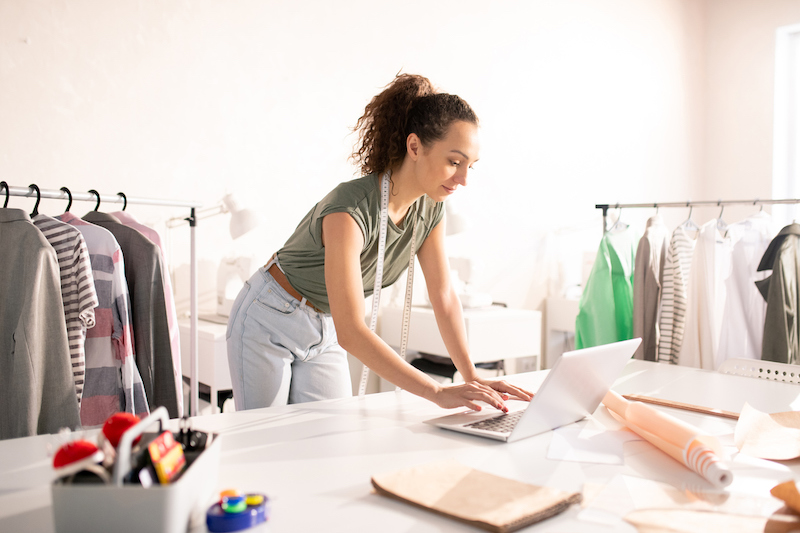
(302, 258)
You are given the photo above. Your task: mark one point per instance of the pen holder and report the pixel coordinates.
(124, 508)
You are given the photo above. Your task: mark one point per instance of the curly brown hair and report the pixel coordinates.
(409, 104)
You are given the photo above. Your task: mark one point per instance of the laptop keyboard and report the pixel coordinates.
(501, 423)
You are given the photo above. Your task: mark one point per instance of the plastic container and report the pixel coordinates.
(120, 508)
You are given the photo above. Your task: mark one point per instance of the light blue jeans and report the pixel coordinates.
(280, 350)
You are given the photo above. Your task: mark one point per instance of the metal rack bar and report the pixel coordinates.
(706, 203)
(120, 199)
(89, 197)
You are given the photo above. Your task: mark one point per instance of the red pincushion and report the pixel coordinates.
(73, 451)
(116, 425)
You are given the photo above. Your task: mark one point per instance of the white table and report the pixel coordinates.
(212, 357)
(315, 460)
(493, 333)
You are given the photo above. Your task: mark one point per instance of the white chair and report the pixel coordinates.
(755, 368)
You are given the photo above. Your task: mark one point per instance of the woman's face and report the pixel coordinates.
(443, 166)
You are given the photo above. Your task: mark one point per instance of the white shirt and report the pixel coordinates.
(745, 308)
(711, 267)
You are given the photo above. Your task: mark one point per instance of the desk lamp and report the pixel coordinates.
(232, 271)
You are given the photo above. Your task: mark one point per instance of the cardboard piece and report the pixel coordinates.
(477, 498)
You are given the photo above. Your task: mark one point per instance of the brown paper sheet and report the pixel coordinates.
(689, 521)
(478, 498)
(788, 493)
(773, 436)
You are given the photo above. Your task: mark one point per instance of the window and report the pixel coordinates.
(786, 138)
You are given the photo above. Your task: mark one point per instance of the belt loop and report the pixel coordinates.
(275, 260)
(303, 301)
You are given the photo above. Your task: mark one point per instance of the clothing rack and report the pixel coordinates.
(704, 203)
(120, 198)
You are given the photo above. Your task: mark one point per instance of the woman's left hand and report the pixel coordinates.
(508, 390)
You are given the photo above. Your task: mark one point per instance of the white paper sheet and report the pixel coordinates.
(589, 444)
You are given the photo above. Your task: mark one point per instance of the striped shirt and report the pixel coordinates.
(77, 289)
(113, 382)
(674, 296)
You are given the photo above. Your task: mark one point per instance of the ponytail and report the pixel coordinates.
(409, 104)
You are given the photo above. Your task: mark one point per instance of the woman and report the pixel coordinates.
(295, 320)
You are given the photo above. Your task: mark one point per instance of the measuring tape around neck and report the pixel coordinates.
(376, 292)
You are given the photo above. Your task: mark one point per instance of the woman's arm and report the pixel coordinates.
(448, 312)
(343, 242)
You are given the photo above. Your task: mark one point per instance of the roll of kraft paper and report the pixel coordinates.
(681, 441)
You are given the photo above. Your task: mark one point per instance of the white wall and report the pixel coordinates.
(581, 102)
(739, 96)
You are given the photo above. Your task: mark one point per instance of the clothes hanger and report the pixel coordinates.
(69, 194)
(124, 200)
(92, 191)
(38, 199)
(657, 216)
(618, 225)
(721, 225)
(689, 223)
(8, 192)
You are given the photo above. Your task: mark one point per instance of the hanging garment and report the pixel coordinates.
(782, 325)
(77, 289)
(647, 283)
(745, 309)
(149, 310)
(605, 312)
(711, 267)
(37, 392)
(113, 382)
(172, 314)
(674, 294)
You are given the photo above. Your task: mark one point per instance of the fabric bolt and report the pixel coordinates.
(745, 309)
(302, 258)
(674, 295)
(77, 289)
(711, 267)
(172, 314)
(113, 382)
(151, 336)
(781, 340)
(605, 311)
(37, 391)
(647, 283)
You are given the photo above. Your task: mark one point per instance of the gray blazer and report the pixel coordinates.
(37, 394)
(151, 338)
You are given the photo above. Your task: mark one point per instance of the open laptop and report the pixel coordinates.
(571, 391)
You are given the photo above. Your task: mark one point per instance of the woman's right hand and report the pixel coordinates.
(468, 394)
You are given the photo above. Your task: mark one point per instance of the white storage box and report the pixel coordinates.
(117, 508)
